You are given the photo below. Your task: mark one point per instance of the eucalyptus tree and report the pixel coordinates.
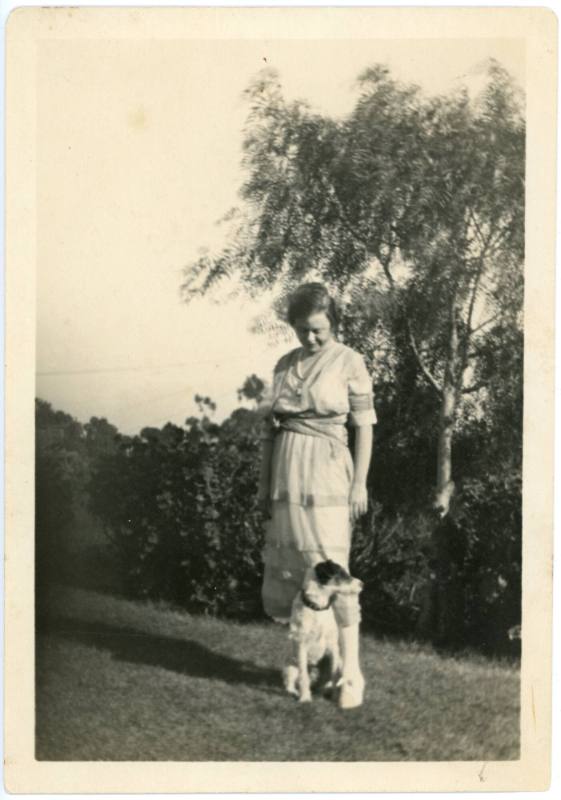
(411, 208)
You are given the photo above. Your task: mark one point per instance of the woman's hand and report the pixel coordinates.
(358, 501)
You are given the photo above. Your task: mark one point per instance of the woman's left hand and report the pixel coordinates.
(358, 501)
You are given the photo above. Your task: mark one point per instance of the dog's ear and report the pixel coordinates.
(327, 571)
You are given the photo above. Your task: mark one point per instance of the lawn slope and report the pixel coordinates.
(118, 680)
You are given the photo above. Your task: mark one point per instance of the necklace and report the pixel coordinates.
(298, 371)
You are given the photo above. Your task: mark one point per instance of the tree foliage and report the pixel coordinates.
(427, 191)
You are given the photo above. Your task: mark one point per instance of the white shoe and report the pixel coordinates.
(351, 692)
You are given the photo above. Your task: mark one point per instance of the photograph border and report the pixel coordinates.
(26, 27)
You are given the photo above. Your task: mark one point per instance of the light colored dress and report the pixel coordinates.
(312, 468)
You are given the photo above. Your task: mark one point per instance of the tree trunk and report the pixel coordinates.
(441, 611)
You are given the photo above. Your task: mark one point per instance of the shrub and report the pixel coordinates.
(490, 519)
(180, 504)
(179, 507)
(465, 571)
(389, 555)
(54, 515)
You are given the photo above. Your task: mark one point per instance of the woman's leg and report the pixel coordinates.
(347, 613)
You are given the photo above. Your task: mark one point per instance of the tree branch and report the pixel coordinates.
(477, 280)
(347, 224)
(114, 541)
(487, 243)
(500, 235)
(474, 387)
(387, 272)
(469, 331)
(385, 262)
(484, 243)
(424, 369)
(474, 353)
(472, 301)
(487, 321)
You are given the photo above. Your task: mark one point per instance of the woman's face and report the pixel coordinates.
(313, 331)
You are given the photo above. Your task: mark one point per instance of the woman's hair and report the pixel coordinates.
(311, 298)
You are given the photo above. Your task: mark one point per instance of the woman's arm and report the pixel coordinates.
(265, 476)
(358, 500)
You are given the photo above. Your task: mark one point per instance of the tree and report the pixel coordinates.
(429, 191)
(101, 437)
(253, 390)
(60, 475)
(411, 209)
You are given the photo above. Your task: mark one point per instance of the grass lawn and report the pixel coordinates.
(124, 681)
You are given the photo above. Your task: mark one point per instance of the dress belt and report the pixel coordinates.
(334, 432)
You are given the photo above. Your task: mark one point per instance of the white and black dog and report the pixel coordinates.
(313, 633)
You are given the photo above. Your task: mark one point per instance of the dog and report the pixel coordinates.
(313, 631)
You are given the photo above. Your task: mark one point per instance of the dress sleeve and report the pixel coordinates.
(361, 396)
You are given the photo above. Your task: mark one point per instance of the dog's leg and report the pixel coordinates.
(290, 679)
(290, 669)
(305, 693)
(334, 670)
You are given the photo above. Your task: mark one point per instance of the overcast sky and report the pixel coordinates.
(138, 157)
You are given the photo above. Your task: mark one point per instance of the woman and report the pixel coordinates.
(309, 486)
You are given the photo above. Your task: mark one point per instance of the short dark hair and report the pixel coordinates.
(311, 298)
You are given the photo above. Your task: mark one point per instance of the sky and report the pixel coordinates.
(139, 149)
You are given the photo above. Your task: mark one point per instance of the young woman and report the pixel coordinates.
(310, 488)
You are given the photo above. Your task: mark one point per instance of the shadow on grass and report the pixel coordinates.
(184, 656)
